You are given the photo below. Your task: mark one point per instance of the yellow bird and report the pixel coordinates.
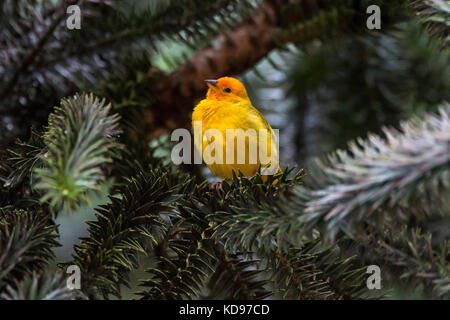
(227, 106)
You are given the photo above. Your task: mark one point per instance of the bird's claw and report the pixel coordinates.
(217, 186)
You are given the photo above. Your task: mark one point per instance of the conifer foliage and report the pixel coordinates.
(88, 113)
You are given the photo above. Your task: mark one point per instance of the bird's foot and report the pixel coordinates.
(218, 186)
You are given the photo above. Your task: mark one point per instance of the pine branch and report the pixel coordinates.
(251, 214)
(186, 257)
(17, 173)
(236, 277)
(416, 257)
(26, 156)
(80, 138)
(307, 272)
(351, 186)
(26, 243)
(435, 14)
(27, 27)
(46, 286)
(310, 272)
(191, 257)
(129, 225)
(184, 275)
(25, 63)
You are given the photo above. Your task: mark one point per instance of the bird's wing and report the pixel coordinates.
(205, 131)
(197, 131)
(255, 120)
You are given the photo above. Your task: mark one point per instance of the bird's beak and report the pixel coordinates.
(211, 82)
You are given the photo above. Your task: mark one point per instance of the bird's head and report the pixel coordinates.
(226, 89)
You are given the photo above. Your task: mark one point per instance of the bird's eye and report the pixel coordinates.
(228, 90)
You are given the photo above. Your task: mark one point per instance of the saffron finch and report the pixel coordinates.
(227, 106)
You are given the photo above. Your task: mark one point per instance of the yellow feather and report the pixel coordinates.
(227, 106)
